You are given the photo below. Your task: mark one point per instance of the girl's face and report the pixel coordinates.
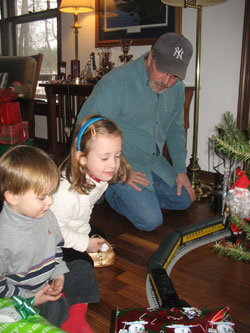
(103, 158)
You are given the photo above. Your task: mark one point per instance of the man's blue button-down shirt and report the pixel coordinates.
(147, 119)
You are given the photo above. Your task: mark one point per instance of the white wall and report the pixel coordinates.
(220, 63)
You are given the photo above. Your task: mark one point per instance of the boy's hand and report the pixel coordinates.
(95, 244)
(42, 296)
(56, 286)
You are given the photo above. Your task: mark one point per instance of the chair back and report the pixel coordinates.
(25, 69)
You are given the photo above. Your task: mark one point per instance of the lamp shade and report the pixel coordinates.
(192, 3)
(76, 6)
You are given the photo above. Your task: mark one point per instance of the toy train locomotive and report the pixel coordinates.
(160, 290)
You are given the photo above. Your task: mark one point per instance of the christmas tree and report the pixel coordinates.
(234, 145)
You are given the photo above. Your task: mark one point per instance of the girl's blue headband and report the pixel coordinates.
(85, 126)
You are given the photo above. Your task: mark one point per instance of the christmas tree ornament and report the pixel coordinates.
(234, 145)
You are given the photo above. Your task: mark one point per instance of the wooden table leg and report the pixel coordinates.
(52, 123)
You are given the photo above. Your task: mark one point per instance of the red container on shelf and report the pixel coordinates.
(75, 69)
(10, 113)
(62, 69)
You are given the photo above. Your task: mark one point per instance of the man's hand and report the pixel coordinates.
(42, 296)
(183, 180)
(137, 177)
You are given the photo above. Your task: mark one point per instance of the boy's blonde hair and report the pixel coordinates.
(70, 167)
(24, 168)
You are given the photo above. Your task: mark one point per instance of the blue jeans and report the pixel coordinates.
(143, 208)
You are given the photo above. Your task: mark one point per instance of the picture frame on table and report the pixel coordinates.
(141, 21)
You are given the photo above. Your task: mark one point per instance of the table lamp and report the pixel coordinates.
(194, 168)
(75, 7)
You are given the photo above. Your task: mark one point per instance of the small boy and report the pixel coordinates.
(30, 243)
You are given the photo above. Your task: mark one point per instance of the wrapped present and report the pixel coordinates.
(174, 320)
(15, 133)
(10, 113)
(6, 95)
(12, 318)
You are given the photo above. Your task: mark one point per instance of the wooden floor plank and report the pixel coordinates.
(145, 244)
(201, 277)
(227, 282)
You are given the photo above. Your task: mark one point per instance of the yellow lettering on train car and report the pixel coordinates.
(202, 232)
(172, 253)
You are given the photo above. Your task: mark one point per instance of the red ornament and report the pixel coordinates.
(238, 172)
(242, 181)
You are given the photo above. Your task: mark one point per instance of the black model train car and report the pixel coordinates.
(160, 290)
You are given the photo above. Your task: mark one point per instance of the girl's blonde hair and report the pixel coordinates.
(24, 168)
(74, 172)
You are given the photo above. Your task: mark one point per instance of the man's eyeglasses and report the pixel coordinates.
(171, 76)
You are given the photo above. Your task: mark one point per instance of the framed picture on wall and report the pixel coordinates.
(141, 21)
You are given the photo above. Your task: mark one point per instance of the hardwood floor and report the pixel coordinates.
(201, 277)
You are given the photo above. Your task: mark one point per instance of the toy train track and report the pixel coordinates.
(159, 288)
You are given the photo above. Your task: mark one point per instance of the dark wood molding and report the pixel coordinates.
(244, 86)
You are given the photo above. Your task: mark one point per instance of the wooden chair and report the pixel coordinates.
(28, 104)
(25, 69)
(189, 91)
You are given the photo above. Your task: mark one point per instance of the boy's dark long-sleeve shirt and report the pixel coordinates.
(30, 253)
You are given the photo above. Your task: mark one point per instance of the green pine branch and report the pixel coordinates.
(231, 141)
(240, 223)
(229, 127)
(233, 150)
(235, 252)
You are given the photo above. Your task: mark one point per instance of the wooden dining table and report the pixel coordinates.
(64, 101)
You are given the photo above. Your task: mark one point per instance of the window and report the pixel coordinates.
(28, 6)
(30, 27)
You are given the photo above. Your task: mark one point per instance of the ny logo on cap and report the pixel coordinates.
(178, 53)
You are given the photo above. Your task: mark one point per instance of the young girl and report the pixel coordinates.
(95, 160)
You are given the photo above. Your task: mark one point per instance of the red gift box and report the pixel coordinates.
(6, 95)
(173, 320)
(15, 133)
(10, 113)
